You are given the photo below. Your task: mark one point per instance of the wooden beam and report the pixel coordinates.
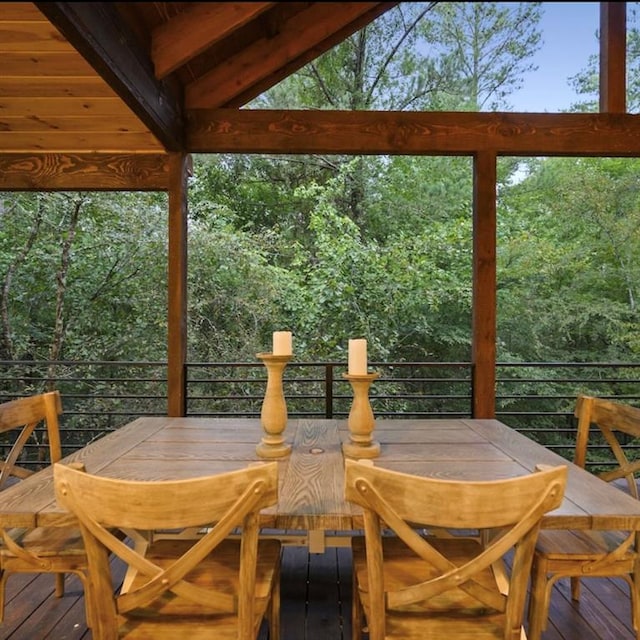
(613, 57)
(104, 40)
(483, 346)
(177, 286)
(412, 133)
(84, 172)
(302, 33)
(198, 27)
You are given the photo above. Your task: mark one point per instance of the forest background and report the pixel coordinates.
(334, 247)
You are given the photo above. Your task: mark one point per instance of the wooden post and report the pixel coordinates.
(483, 348)
(179, 169)
(613, 57)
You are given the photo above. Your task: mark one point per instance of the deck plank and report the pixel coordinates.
(294, 592)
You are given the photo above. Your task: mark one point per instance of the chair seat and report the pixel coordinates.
(435, 618)
(46, 541)
(172, 617)
(489, 628)
(580, 545)
(219, 571)
(401, 567)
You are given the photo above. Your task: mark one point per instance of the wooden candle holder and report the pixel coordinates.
(273, 415)
(361, 421)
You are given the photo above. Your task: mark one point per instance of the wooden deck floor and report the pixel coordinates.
(316, 605)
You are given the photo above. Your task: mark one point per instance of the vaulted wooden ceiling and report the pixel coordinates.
(150, 78)
(122, 77)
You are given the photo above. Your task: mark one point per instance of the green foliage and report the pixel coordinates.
(237, 296)
(109, 301)
(569, 241)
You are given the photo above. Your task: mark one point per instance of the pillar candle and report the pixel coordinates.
(282, 343)
(357, 357)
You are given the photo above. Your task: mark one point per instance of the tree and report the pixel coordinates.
(76, 268)
(479, 52)
(568, 247)
(587, 82)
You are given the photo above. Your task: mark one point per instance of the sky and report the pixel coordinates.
(568, 38)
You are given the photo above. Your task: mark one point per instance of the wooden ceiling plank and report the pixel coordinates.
(85, 172)
(68, 142)
(31, 36)
(412, 133)
(96, 30)
(201, 25)
(72, 107)
(43, 64)
(56, 123)
(20, 11)
(297, 36)
(56, 87)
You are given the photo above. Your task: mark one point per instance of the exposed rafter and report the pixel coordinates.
(300, 39)
(176, 42)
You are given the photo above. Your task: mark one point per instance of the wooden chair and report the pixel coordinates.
(412, 586)
(580, 554)
(208, 586)
(56, 550)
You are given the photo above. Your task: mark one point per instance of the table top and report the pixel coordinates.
(311, 477)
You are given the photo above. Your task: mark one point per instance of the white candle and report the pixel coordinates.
(282, 341)
(357, 357)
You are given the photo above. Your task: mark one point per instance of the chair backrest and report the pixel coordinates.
(403, 502)
(221, 503)
(611, 419)
(22, 416)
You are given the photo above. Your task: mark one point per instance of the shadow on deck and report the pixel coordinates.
(316, 604)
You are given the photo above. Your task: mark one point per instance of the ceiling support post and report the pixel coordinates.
(483, 347)
(180, 166)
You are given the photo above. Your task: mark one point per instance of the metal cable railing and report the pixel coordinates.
(535, 398)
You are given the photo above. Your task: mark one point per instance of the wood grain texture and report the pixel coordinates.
(27, 171)
(311, 489)
(415, 133)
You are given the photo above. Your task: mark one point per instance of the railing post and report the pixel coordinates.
(328, 391)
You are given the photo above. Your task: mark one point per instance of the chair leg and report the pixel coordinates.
(59, 577)
(274, 611)
(575, 589)
(634, 585)
(538, 599)
(3, 579)
(88, 605)
(356, 611)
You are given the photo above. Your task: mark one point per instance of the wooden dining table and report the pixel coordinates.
(311, 506)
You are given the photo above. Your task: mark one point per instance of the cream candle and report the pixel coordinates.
(357, 357)
(282, 343)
